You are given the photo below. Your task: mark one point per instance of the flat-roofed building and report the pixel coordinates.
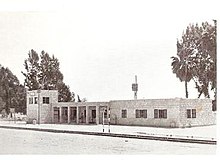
(176, 112)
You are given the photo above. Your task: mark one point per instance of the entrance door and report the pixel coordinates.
(56, 115)
(93, 120)
(73, 114)
(64, 114)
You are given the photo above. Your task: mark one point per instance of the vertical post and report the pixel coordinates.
(135, 88)
(103, 120)
(109, 112)
(68, 115)
(77, 114)
(97, 114)
(38, 91)
(135, 92)
(60, 112)
(14, 117)
(87, 114)
(52, 113)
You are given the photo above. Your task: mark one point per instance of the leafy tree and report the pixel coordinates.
(10, 91)
(205, 60)
(43, 72)
(196, 52)
(32, 69)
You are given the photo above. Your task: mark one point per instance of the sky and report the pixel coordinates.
(102, 45)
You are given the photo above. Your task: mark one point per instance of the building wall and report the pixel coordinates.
(149, 105)
(176, 111)
(45, 109)
(204, 113)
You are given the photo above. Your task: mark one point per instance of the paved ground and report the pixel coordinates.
(32, 142)
(205, 132)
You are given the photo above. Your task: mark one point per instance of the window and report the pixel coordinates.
(105, 113)
(188, 112)
(30, 100)
(160, 113)
(156, 113)
(124, 113)
(214, 105)
(141, 113)
(46, 100)
(35, 100)
(138, 114)
(144, 113)
(191, 113)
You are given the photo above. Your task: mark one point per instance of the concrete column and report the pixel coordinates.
(60, 110)
(97, 114)
(52, 114)
(68, 113)
(77, 114)
(87, 114)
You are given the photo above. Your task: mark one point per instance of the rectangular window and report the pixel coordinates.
(141, 113)
(31, 100)
(191, 113)
(138, 114)
(188, 112)
(156, 113)
(165, 113)
(144, 113)
(160, 113)
(214, 105)
(46, 100)
(123, 113)
(35, 100)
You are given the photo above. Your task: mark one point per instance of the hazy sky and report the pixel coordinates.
(102, 45)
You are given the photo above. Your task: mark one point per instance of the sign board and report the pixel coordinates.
(134, 87)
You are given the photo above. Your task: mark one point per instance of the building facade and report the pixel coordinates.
(43, 106)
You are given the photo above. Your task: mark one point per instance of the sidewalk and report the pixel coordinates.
(203, 133)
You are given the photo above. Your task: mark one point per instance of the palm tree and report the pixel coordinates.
(181, 66)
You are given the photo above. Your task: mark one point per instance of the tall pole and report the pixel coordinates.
(135, 92)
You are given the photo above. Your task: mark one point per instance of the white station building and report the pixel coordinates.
(43, 106)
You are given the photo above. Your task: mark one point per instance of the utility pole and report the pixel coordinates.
(135, 88)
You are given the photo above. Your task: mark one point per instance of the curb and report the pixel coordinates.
(171, 139)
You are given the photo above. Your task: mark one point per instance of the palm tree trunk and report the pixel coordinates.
(186, 88)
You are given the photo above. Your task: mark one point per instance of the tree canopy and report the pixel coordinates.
(12, 93)
(43, 72)
(196, 57)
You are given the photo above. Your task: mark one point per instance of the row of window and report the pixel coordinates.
(191, 113)
(158, 113)
(34, 100)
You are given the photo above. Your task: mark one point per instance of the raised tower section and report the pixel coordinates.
(40, 105)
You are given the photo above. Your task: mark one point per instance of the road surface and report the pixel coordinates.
(34, 142)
